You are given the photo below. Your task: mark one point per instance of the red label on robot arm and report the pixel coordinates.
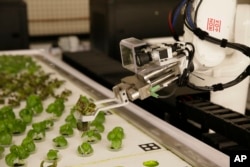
(213, 25)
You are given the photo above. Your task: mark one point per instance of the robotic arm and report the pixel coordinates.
(198, 62)
(155, 67)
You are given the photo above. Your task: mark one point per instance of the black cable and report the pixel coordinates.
(196, 13)
(220, 86)
(240, 47)
(167, 95)
(183, 79)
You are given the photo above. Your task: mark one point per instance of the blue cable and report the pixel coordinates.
(178, 11)
(189, 16)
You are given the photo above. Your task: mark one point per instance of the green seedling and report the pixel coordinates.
(39, 126)
(15, 63)
(150, 163)
(100, 118)
(12, 70)
(97, 124)
(85, 149)
(2, 125)
(50, 86)
(5, 138)
(6, 112)
(9, 122)
(70, 119)
(52, 155)
(65, 94)
(34, 103)
(9, 125)
(19, 126)
(66, 130)
(26, 115)
(116, 144)
(60, 141)
(36, 135)
(14, 126)
(19, 83)
(84, 106)
(91, 136)
(11, 159)
(16, 156)
(115, 136)
(119, 132)
(97, 127)
(49, 123)
(28, 144)
(57, 107)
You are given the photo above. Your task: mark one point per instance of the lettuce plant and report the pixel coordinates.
(5, 138)
(19, 126)
(28, 144)
(39, 126)
(35, 135)
(6, 112)
(84, 106)
(85, 149)
(11, 159)
(70, 119)
(60, 141)
(66, 130)
(115, 136)
(52, 155)
(34, 103)
(17, 155)
(65, 94)
(56, 107)
(26, 115)
(91, 136)
(97, 123)
(49, 123)
(38, 131)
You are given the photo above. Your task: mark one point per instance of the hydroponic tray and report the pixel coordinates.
(147, 138)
